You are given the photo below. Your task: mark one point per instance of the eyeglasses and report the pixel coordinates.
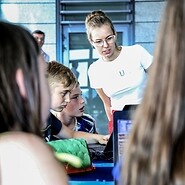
(110, 39)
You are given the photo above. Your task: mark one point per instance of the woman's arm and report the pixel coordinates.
(106, 102)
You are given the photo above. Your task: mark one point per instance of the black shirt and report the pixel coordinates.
(52, 129)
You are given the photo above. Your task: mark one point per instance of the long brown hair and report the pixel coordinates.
(155, 152)
(19, 50)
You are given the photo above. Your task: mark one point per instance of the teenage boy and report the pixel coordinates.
(61, 81)
(73, 115)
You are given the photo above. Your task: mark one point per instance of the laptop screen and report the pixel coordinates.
(122, 121)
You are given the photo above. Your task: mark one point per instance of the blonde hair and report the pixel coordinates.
(97, 19)
(19, 50)
(60, 74)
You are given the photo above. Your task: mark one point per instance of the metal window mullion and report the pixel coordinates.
(94, 1)
(82, 22)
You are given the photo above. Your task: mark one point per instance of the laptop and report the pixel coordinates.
(122, 121)
(102, 152)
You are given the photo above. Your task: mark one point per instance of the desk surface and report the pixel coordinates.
(101, 175)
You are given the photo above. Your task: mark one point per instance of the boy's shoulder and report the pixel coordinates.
(86, 117)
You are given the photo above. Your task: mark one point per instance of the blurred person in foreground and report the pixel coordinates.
(155, 152)
(24, 105)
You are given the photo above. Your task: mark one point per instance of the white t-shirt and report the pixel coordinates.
(124, 79)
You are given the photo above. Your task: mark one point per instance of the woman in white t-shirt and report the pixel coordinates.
(119, 75)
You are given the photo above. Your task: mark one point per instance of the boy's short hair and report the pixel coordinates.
(60, 74)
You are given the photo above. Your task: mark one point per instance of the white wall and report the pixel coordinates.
(41, 14)
(147, 18)
(34, 14)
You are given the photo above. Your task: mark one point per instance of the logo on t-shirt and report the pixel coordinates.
(122, 73)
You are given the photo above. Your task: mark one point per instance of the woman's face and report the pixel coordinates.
(44, 88)
(103, 33)
(76, 106)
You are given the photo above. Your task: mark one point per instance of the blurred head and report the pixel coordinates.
(156, 148)
(75, 108)
(22, 81)
(61, 81)
(39, 36)
(101, 33)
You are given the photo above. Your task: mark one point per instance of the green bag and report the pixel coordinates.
(76, 147)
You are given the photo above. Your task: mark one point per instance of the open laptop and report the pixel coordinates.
(102, 152)
(122, 121)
